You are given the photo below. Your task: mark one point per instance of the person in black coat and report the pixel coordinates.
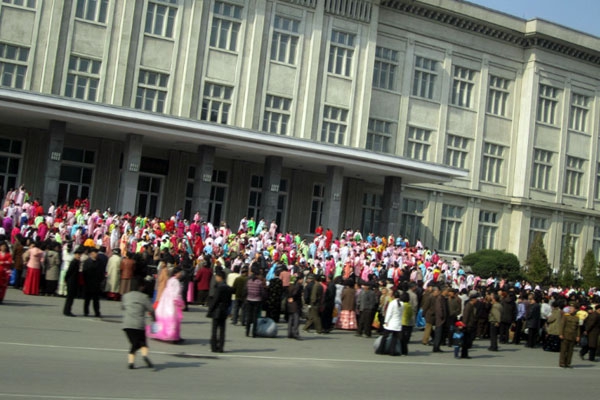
(72, 281)
(532, 318)
(218, 310)
(93, 276)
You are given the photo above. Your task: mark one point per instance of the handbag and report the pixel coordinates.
(376, 323)
(584, 341)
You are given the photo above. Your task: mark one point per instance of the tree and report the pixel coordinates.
(538, 269)
(567, 263)
(589, 270)
(496, 263)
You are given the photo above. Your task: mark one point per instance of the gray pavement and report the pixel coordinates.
(44, 355)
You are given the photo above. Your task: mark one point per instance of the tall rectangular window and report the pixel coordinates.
(498, 96)
(216, 103)
(542, 168)
(462, 87)
(21, 3)
(450, 230)
(160, 17)
(371, 212)
(456, 151)
(386, 65)
(92, 10)
(151, 91)
(76, 171)
(417, 143)
(218, 196)
(226, 26)
(13, 65)
(573, 229)
(277, 114)
(538, 226)
(493, 159)
(83, 78)
(284, 44)
(379, 135)
(11, 153)
(580, 107)
(254, 200)
(425, 77)
(316, 209)
(488, 227)
(189, 192)
(574, 176)
(341, 52)
(335, 123)
(548, 104)
(411, 219)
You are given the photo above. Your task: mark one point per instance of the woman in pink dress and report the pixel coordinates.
(168, 312)
(34, 258)
(6, 263)
(347, 319)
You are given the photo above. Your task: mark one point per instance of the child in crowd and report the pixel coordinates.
(457, 338)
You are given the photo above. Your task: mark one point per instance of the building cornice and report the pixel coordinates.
(523, 34)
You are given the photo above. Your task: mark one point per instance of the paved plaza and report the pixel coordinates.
(44, 355)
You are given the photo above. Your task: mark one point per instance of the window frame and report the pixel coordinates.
(425, 76)
(225, 101)
(417, 148)
(341, 53)
(463, 83)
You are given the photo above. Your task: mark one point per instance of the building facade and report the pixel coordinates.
(434, 119)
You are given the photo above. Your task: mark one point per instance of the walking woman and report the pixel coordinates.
(136, 305)
(6, 263)
(169, 312)
(393, 327)
(34, 258)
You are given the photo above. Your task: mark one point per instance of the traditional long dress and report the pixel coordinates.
(67, 256)
(113, 277)
(6, 262)
(347, 319)
(35, 260)
(168, 314)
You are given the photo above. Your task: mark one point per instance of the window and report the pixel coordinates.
(226, 25)
(13, 65)
(334, 125)
(538, 226)
(456, 152)
(386, 64)
(341, 52)
(493, 158)
(596, 242)
(148, 195)
(218, 196)
(277, 114)
(371, 212)
(83, 78)
(417, 145)
(285, 40)
(486, 233)
(216, 103)
(580, 106)
(574, 176)
(92, 10)
(542, 166)
(316, 209)
(189, 193)
(160, 17)
(379, 135)
(11, 152)
(411, 220)
(574, 230)
(451, 221)
(280, 217)
(547, 104)
(498, 96)
(462, 87)
(151, 91)
(425, 77)
(76, 171)
(598, 182)
(256, 183)
(22, 3)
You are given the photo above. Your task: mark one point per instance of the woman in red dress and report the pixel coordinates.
(35, 259)
(6, 263)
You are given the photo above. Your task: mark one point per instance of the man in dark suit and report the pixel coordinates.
(441, 319)
(72, 281)
(218, 310)
(294, 307)
(469, 318)
(93, 276)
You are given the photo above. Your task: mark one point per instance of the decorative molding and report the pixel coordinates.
(359, 10)
(305, 3)
(520, 39)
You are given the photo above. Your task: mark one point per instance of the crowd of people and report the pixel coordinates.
(381, 284)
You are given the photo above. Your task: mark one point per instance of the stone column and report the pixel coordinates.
(205, 160)
(332, 209)
(130, 172)
(390, 216)
(270, 189)
(56, 131)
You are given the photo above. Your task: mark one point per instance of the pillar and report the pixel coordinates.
(56, 143)
(333, 194)
(130, 172)
(390, 215)
(270, 189)
(205, 161)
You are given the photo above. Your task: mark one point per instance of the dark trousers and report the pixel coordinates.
(293, 324)
(69, 302)
(19, 279)
(566, 352)
(393, 337)
(438, 336)
(494, 329)
(450, 330)
(469, 335)
(237, 306)
(313, 319)
(217, 339)
(327, 317)
(518, 331)
(504, 330)
(405, 338)
(93, 296)
(51, 287)
(532, 337)
(253, 309)
(592, 354)
(364, 322)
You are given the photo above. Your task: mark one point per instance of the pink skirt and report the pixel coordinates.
(165, 329)
(347, 320)
(32, 281)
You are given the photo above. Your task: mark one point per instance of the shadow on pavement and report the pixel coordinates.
(251, 350)
(170, 365)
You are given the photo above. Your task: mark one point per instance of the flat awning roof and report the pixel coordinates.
(35, 110)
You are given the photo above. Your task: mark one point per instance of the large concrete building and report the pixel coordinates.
(437, 119)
